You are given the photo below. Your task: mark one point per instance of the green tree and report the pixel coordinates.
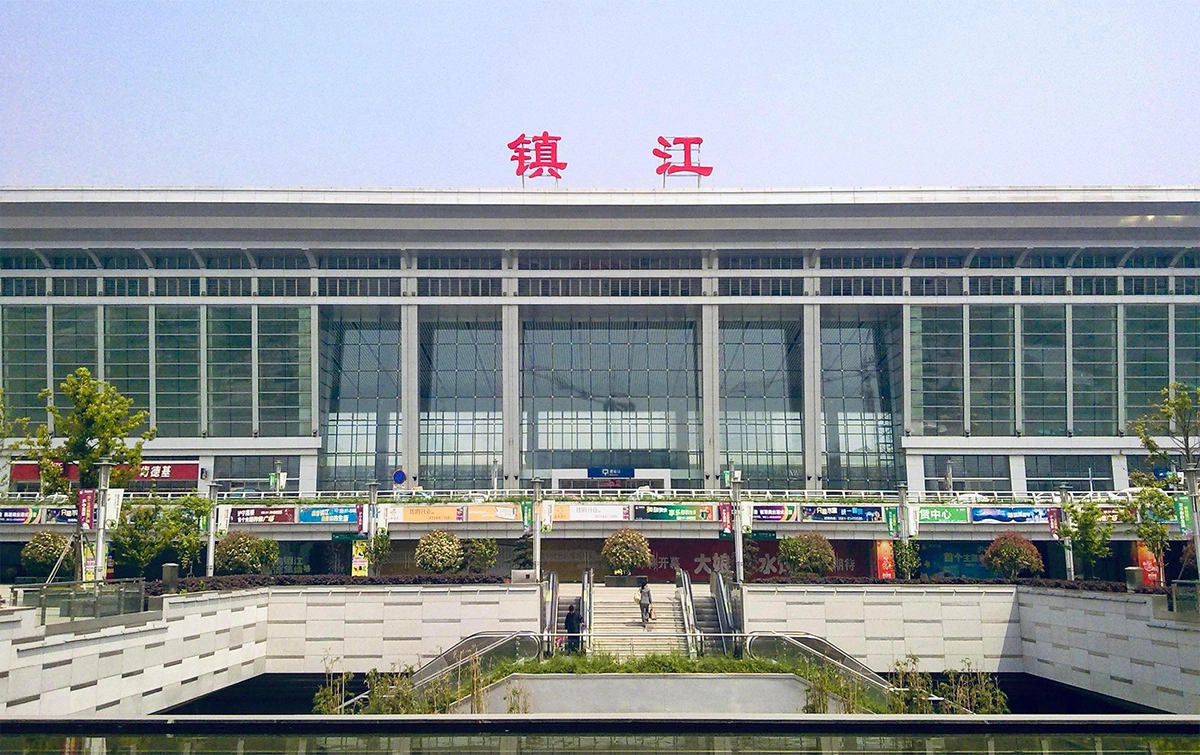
(185, 529)
(809, 553)
(379, 548)
(98, 424)
(1084, 523)
(244, 553)
(479, 555)
(1149, 512)
(1176, 417)
(907, 557)
(138, 537)
(1012, 554)
(522, 555)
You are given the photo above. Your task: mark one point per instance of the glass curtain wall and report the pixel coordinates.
(762, 396)
(609, 391)
(1147, 357)
(177, 371)
(1045, 474)
(74, 345)
(1044, 369)
(360, 396)
(1094, 368)
(461, 426)
(1187, 344)
(284, 371)
(980, 473)
(230, 372)
(127, 353)
(993, 374)
(937, 370)
(24, 358)
(861, 395)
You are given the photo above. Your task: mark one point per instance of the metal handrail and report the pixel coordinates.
(720, 594)
(871, 683)
(550, 607)
(586, 606)
(684, 583)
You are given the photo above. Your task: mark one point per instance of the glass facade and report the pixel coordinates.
(762, 397)
(1094, 368)
(461, 425)
(24, 359)
(937, 370)
(862, 399)
(1147, 357)
(230, 372)
(1187, 344)
(605, 391)
(1044, 369)
(74, 344)
(993, 374)
(945, 472)
(1080, 474)
(127, 353)
(360, 386)
(177, 371)
(284, 371)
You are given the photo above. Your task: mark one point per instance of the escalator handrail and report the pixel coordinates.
(586, 604)
(684, 581)
(870, 677)
(720, 594)
(550, 608)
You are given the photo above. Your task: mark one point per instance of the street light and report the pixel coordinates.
(210, 558)
(1190, 473)
(902, 511)
(1064, 496)
(735, 484)
(372, 500)
(537, 528)
(104, 467)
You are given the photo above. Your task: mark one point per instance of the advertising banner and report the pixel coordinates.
(427, 514)
(1149, 566)
(725, 517)
(1183, 515)
(844, 513)
(1054, 519)
(700, 558)
(891, 515)
(87, 508)
(358, 558)
(1010, 515)
(20, 515)
(328, 514)
(262, 515)
(674, 512)
(527, 516)
(508, 513)
(942, 515)
(778, 512)
(586, 512)
(885, 560)
(59, 515)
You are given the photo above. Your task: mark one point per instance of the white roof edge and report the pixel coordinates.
(626, 197)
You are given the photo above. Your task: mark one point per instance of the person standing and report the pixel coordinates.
(645, 600)
(573, 624)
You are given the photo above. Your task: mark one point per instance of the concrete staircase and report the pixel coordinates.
(617, 623)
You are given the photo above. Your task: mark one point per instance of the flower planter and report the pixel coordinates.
(624, 580)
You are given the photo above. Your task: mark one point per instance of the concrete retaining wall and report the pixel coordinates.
(206, 641)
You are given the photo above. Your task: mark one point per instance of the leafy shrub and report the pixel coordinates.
(252, 581)
(378, 550)
(41, 553)
(1012, 554)
(626, 550)
(809, 553)
(479, 555)
(907, 557)
(244, 553)
(439, 552)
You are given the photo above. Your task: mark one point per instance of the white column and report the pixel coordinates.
(308, 474)
(710, 398)
(813, 469)
(410, 393)
(1016, 474)
(914, 465)
(1120, 471)
(510, 380)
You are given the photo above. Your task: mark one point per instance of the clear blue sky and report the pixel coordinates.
(426, 94)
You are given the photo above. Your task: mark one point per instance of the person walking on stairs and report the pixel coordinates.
(573, 622)
(646, 601)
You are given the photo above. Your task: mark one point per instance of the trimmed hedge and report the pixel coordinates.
(250, 581)
(1087, 585)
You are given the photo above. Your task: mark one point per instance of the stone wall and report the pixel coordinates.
(202, 642)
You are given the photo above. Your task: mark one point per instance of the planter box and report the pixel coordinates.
(624, 580)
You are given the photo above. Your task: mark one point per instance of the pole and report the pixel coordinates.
(105, 470)
(369, 514)
(278, 469)
(1064, 497)
(537, 528)
(902, 494)
(735, 483)
(1190, 474)
(210, 558)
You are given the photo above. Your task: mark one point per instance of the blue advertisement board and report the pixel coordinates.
(1010, 514)
(625, 473)
(328, 514)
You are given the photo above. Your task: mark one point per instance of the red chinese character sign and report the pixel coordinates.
(536, 156)
(680, 154)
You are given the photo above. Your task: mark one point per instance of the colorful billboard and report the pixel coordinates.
(262, 515)
(674, 512)
(844, 513)
(1010, 515)
(328, 514)
(943, 515)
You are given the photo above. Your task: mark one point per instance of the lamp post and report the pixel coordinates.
(1064, 496)
(902, 495)
(735, 484)
(1190, 474)
(278, 480)
(210, 558)
(537, 528)
(104, 467)
(369, 515)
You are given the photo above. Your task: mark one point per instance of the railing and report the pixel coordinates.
(586, 606)
(720, 594)
(822, 656)
(74, 601)
(479, 653)
(684, 582)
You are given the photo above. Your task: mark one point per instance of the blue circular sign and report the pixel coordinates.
(399, 477)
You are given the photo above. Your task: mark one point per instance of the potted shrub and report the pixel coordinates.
(809, 553)
(624, 551)
(1011, 554)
